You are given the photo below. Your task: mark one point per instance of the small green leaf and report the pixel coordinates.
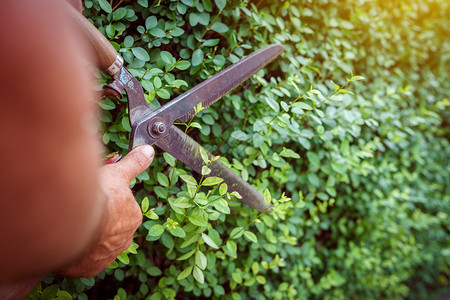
(166, 57)
(261, 279)
(169, 159)
(198, 219)
(267, 197)
(157, 32)
(151, 22)
(220, 4)
(198, 275)
(140, 53)
(182, 65)
(186, 272)
(231, 249)
(197, 57)
(123, 257)
(104, 4)
(223, 189)
(187, 255)
(162, 179)
(209, 241)
(189, 179)
(144, 205)
(178, 232)
(190, 241)
(204, 155)
(200, 260)
(205, 170)
(250, 236)
(219, 27)
(212, 181)
(156, 230)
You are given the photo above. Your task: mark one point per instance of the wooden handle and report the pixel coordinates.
(105, 52)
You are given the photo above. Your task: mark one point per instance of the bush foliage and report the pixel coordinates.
(346, 133)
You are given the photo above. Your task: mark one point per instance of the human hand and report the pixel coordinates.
(122, 214)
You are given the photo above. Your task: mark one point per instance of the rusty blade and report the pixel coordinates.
(215, 87)
(185, 149)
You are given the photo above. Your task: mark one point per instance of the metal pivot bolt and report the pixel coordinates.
(159, 127)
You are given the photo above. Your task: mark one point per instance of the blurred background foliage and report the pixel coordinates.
(351, 122)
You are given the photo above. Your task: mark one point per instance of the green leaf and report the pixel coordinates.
(104, 4)
(205, 170)
(204, 155)
(151, 22)
(250, 236)
(223, 189)
(210, 43)
(200, 260)
(119, 13)
(162, 179)
(169, 159)
(189, 179)
(219, 27)
(156, 230)
(143, 3)
(220, 4)
(151, 214)
(209, 241)
(267, 197)
(177, 231)
(140, 53)
(302, 105)
(166, 57)
(123, 257)
(186, 272)
(144, 205)
(154, 271)
(157, 32)
(261, 279)
(273, 104)
(212, 181)
(182, 65)
(198, 275)
(231, 249)
(197, 57)
(236, 233)
(198, 219)
(288, 153)
(239, 135)
(190, 241)
(187, 255)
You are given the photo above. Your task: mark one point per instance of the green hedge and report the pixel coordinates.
(351, 123)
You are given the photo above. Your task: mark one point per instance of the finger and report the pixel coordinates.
(135, 162)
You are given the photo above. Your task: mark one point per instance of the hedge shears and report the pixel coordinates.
(156, 127)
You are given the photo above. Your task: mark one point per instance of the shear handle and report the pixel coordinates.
(107, 57)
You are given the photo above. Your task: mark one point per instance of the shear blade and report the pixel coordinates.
(185, 149)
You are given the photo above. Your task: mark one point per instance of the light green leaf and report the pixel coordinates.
(212, 181)
(250, 236)
(104, 4)
(144, 205)
(140, 53)
(189, 179)
(198, 275)
(200, 260)
(197, 57)
(186, 272)
(156, 230)
(209, 241)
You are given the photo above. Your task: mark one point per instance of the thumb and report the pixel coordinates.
(135, 162)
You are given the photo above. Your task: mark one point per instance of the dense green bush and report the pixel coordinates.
(364, 157)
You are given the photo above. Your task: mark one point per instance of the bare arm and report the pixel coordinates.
(57, 206)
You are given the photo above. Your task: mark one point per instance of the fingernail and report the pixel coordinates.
(148, 151)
